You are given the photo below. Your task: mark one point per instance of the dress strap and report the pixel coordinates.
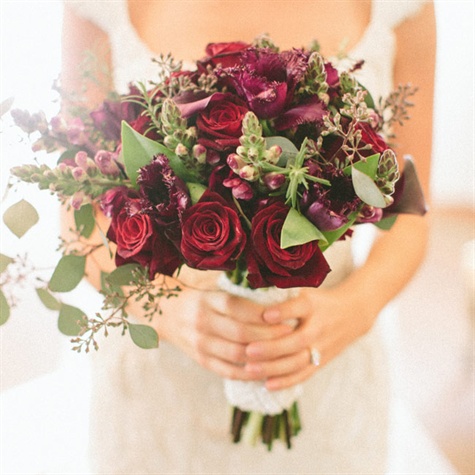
(391, 13)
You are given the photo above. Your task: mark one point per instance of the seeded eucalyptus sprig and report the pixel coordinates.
(122, 287)
(395, 108)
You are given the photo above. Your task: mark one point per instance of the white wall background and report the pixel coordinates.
(30, 60)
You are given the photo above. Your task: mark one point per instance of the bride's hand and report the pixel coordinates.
(214, 328)
(329, 321)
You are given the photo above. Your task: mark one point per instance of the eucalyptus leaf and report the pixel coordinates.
(367, 190)
(48, 300)
(196, 191)
(138, 151)
(289, 150)
(68, 273)
(298, 230)
(123, 275)
(369, 166)
(143, 336)
(6, 105)
(4, 309)
(386, 223)
(68, 154)
(84, 219)
(71, 320)
(4, 262)
(20, 217)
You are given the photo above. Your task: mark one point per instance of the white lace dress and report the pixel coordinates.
(158, 412)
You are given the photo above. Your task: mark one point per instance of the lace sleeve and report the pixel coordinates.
(392, 13)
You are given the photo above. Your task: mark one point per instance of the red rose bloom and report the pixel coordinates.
(269, 264)
(212, 235)
(225, 54)
(371, 137)
(220, 124)
(139, 240)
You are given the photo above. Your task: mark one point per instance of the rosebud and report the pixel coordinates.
(273, 154)
(181, 150)
(199, 153)
(369, 214)
(170, 142)
(106, 163)
(241, 151)
(86, 163)
(78, 199)
(273, 180)
(212, 157)
(191, 133)
(79, 174)
(235, 162)
(242, 191)
(253, 153)
(249, 173)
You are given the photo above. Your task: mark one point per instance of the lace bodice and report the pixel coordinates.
(131, 57)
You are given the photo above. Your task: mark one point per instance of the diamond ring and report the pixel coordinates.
(315, 356)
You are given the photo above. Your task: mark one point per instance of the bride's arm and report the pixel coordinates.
(211, 327)
(332, 319)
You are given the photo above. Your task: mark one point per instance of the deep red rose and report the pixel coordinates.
(139, 240)
(220, 124)
(143, 125)
(212, 235)
(225, 54)
(131, 230)
(371, 137)
(270, 265)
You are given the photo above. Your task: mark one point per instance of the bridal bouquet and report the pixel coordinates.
(252, 163)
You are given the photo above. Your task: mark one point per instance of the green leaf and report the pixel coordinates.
(6, 105)
(289, 150)
(123, 275)
(71, 320)
(68, 273)
(298, 230)
(143, 336)
(196, 191)
(386, 223)
(332, 236)
(68, 154)
(4, 308)
(84, 219)
(4, 262)
(369, 166)
(20, 217)
(48, 300)
(367, 190)
(138, 151)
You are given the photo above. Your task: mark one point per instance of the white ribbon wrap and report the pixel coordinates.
(253, 395)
